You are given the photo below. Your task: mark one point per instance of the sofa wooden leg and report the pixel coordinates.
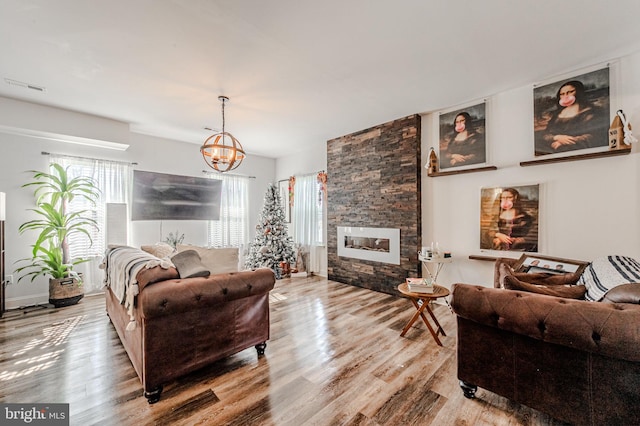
(468, 389)
(260, 347)
(154, 395)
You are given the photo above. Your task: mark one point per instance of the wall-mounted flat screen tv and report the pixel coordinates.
(159, 196)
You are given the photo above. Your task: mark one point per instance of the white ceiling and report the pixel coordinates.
(297, 72)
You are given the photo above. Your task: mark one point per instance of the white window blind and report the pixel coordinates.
(113, 179)
(232, 229)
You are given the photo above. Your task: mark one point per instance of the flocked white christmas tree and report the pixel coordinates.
(272, 244)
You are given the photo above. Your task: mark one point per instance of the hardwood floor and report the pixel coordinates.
(335, 357)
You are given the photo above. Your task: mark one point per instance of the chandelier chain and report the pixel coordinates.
(223, 101)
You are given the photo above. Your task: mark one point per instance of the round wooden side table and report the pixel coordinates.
(421, 302)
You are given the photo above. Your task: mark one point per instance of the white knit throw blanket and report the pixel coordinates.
(121, 265)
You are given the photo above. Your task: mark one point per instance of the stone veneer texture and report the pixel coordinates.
(374, 181)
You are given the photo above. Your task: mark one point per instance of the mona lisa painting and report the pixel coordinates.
(462, 137)
(572, 114)
(509, 218)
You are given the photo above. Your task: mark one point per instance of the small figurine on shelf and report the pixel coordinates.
(626, 126)
(432, 165)
(620, 134)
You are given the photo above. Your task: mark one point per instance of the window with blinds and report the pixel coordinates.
(113, 179)
(232, 229)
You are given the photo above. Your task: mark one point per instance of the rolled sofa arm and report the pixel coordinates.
(611, 329)
(180, 295)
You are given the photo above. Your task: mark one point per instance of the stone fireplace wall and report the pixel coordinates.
(374, 181)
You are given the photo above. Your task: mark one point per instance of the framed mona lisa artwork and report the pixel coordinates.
(509, 218)
(463, 137)
(572, 114)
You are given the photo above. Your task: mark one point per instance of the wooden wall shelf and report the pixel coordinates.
(485, 258)
(459, 172)
(611, 153)
(490, 258)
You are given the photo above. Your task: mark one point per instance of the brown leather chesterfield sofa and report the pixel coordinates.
(578, 361)
(177, 326)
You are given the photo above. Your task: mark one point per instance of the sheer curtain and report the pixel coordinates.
(114, 179)
(232, 229)
(307, 218)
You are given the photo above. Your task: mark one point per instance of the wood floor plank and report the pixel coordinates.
(335, 357)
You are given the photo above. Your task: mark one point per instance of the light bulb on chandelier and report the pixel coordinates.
(222, 151)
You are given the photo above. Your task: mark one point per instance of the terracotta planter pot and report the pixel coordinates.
(65, 292)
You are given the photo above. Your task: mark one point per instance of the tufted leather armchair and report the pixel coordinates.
(576, 360)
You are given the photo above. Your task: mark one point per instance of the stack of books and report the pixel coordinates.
(419, 285)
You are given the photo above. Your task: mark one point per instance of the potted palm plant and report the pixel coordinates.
(56, 224)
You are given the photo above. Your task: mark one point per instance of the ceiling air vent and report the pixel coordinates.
(25, 85)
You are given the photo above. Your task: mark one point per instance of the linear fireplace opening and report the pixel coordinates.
(374, 244)
(367, 243)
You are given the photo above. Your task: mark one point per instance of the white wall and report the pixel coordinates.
(311, 160)
(588, 208)
(18, 154)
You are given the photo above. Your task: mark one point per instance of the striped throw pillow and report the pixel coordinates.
(605, 273)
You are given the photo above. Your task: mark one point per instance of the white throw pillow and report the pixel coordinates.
(160, 250)
(216, 260)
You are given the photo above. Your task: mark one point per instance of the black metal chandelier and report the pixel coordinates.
(222, 151)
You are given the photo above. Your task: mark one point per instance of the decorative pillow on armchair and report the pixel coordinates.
(605, 273)
(624, 293)
(559, 285)
(559, 290)
(502, 268)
